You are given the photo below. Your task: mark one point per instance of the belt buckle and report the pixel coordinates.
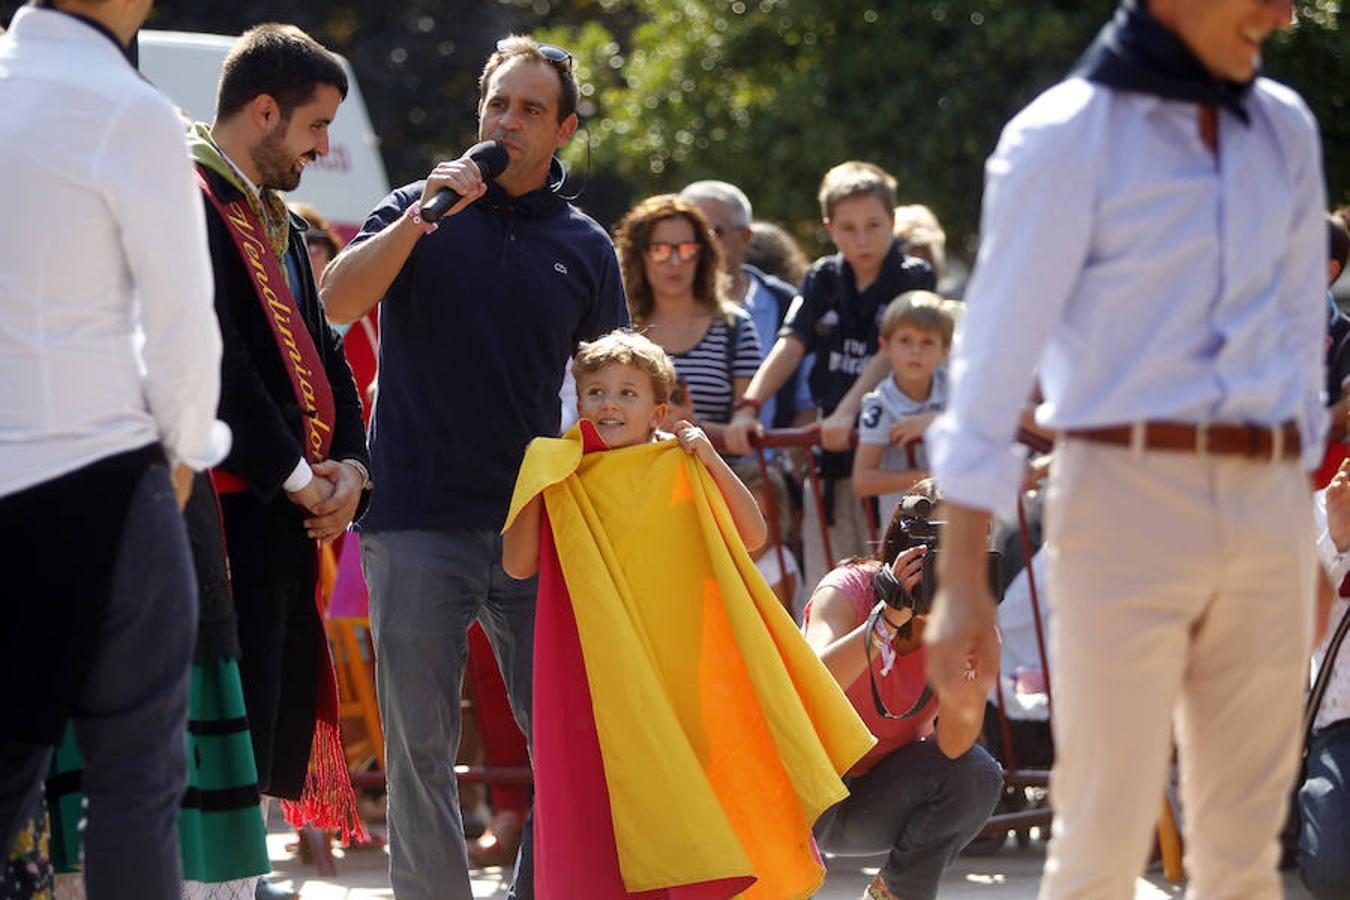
(1276, 443)
(1202, 440)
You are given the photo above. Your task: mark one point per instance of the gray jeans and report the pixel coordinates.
(426, 589)
(919, 806)
(130, 716)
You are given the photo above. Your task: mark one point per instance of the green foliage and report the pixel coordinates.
(1314, 59)
(764, 93)
(770, 93)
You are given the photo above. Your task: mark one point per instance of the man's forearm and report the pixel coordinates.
(878, 367)
(360, 275)
(778, 366)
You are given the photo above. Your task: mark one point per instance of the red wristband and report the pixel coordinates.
(747, 403)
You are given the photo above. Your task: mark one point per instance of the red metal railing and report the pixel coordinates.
(809, 438)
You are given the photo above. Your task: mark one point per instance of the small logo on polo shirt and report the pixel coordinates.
(560, 268)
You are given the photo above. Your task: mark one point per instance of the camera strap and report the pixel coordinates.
(880, 704)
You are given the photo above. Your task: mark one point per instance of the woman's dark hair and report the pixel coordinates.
(630, 239)
(774, 251)
(320, 229)
(1338, 238)
(895, 538)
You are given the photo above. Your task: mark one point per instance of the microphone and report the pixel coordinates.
(491, 159)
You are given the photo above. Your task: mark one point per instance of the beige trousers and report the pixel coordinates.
(1182, 590)
(849, 535)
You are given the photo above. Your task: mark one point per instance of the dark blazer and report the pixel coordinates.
(256, 399)
(272, 564)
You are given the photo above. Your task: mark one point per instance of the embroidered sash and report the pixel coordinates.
(327, 800)
(305, 369)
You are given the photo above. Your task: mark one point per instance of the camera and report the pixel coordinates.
(919, 529)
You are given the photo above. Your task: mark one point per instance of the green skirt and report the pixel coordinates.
(220, 827)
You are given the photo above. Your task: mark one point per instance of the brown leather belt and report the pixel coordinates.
(1276, 444)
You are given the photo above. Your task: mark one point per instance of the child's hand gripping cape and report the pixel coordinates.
(685, 735)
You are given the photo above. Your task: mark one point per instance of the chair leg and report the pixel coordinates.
(1170, 843)
(320, 849)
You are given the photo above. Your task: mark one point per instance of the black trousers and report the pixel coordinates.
(130, 709)
(273, 573)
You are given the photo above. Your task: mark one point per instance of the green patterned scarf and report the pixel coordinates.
(272, 211)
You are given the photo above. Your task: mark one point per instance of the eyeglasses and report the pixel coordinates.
(556, 55)
(660, 251)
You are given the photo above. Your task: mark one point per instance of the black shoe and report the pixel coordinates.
(268, 891)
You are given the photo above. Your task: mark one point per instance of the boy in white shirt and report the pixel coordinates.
(916, 336)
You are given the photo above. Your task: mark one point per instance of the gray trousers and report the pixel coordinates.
(426, 590)
(130, 717)
(920, 807)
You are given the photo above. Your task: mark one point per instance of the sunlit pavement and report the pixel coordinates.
(1012, 873)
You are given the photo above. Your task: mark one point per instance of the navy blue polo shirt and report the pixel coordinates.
(474, 335)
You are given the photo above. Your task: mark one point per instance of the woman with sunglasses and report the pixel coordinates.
(671, 272)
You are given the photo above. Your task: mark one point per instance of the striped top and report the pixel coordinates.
(707, 369)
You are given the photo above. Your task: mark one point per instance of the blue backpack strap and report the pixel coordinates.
(733, 345)
(734, 341)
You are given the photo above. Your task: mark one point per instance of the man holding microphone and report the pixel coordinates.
(482, 310)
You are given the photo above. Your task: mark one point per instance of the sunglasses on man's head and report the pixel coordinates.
(553, 54)
(660, 251)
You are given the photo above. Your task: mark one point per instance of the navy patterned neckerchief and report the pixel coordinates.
(1137, 53)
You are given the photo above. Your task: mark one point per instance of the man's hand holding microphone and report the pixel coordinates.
(453, 185)
(362, 273)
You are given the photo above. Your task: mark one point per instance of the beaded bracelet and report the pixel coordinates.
(414, 215)
(883, 632)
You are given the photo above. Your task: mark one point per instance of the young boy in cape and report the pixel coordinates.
(685, 735)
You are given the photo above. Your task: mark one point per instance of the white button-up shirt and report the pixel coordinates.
(1336, 701)
(108, 336)
(1142, 275)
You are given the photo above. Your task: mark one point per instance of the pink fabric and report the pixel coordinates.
(575, 857)
(351, 599)
(899, 689)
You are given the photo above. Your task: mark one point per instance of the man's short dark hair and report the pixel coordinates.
(280, 61)
(521, 46)
(1338, 239)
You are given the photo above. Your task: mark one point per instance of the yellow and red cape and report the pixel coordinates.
(685, 735)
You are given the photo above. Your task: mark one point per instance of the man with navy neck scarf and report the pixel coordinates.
(481, 312)
(1153, 246)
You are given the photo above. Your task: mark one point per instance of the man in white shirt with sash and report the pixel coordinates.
(1153, 244)
(110, 355)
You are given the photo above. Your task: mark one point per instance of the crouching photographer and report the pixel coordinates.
(1323, 794)
(925, 790)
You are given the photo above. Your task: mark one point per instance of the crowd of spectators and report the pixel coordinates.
(853, 348)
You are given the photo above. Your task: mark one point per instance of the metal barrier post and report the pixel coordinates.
(771, 514)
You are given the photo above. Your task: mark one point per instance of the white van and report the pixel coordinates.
(344, 186)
